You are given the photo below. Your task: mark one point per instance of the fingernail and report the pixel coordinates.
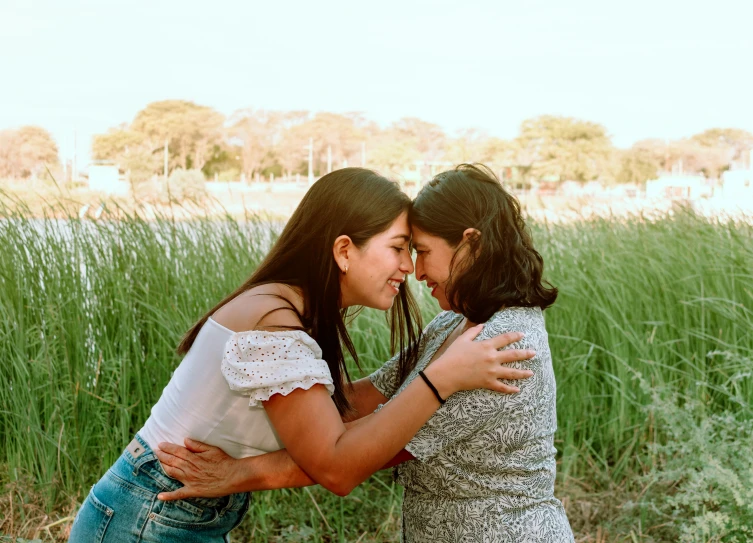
(516, 389)
(159, 497)
(531, 353)
(529, 373)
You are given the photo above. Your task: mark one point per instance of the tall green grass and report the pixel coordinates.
(91, 312)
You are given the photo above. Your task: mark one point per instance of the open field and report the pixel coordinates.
(651, 337)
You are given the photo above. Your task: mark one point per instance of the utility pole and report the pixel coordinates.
(329, 158)
(165, 160)
(74, 172)
(310, 148)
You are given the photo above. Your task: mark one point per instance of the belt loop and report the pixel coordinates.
(229, 504)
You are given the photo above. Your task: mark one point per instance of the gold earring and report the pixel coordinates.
(345, 272)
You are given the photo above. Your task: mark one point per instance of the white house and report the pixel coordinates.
(106, 178)
(738, 185)
(681, 187)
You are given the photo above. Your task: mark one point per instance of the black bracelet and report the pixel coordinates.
(432, 387)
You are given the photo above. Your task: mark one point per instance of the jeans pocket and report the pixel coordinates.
(183, 514)
(91, 521)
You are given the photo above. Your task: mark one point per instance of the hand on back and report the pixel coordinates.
(469, 364)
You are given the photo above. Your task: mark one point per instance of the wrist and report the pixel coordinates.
(442, 381)
(244, 477)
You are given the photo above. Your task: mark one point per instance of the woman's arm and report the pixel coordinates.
(209, 472)
(364, 398)
(320, 447)
(340, 458)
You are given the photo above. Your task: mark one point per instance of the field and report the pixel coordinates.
(652, 338)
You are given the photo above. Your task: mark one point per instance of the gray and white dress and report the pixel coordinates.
(485, 461)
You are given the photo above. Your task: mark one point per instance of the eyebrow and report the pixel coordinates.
(402, 236)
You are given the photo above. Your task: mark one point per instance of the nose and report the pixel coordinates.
(406, 264)
(420, 274)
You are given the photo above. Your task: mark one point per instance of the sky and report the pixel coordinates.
(643, 68)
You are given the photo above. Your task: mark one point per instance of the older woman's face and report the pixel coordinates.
(433, 258)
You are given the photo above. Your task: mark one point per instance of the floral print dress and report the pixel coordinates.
(485, 461)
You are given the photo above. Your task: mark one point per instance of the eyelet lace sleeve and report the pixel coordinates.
(261, 364)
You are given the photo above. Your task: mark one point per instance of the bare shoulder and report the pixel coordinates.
(273, 306)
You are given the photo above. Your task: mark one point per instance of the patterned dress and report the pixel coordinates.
(485, 461)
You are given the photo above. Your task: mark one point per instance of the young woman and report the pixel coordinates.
(265, 367)
(484, 463)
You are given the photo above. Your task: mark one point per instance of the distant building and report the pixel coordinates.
(105, 177)
(738, 185)
(679, 187)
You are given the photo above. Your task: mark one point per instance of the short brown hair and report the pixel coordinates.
(504, 269)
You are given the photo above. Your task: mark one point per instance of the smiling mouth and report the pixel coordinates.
(394, 284)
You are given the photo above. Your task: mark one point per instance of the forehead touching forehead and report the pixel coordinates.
(400, 227)
(419, 238)
(398, 231)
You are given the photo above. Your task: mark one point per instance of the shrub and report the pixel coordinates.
(702, 480)
(185, 185)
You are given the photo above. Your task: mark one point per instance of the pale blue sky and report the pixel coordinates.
(643, 68)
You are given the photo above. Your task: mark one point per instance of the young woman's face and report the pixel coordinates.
(376, 270)
(433, 259)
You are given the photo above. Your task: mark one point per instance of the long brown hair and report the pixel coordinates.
(504, 269)
(355, 202)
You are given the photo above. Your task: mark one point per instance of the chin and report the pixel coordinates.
(383, 304)
(444, 305)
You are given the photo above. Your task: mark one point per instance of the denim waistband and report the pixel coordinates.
(143, 462)
(138, 458)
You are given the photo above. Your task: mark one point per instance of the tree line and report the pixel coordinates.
(256, 142)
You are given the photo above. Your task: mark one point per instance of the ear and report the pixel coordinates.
(341, 247)
(470, 234)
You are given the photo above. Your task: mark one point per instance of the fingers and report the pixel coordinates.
(514, 355)
(503, 340)
(171, 448)
(175, 467)
(178, 451)
(197, 446)
(180, 494)
(175, 473)
(513, 374)
(505, 388)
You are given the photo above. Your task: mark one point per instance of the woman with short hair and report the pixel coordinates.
(482, 468)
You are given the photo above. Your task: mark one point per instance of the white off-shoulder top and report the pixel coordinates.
(216, 392)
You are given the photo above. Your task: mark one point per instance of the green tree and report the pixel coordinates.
(738, 142)
(339, 133)
(26, 152)
(256, 133)
(563, 148)
(184, 185)
(721, 147)
(430, 141)
(636, 165)
(131, 152)
(291, 153)
(393, 151)
(468, 146)
(191, 129)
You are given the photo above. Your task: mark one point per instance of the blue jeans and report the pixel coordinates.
(123, 507)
